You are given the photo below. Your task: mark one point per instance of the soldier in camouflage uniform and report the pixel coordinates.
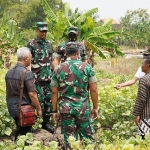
(41, 66)
(73, 33)
(73, 79)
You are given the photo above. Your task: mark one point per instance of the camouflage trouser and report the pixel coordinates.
(44, 93)
(72, 123)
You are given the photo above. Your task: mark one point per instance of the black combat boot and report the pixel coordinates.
(46, 124)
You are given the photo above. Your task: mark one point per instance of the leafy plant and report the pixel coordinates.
(135, 27)
(115, 111)
(11, 39)
(95, 37)
(6, 122)
(26, 142)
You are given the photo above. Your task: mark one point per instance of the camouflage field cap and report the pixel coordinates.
(72, 46)
(147, 52)
(73, 29)
(42, 26)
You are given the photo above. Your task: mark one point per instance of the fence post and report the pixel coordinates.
(115, 62)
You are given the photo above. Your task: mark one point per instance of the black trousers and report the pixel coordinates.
(21, 130)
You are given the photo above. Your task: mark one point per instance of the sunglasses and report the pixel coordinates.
(43, 31)
(72, 34)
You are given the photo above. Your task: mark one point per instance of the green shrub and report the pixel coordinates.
(6, 122)
(115, 111)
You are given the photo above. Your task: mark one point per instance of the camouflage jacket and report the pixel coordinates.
(72, 79)
(41, 64)
(62, 48)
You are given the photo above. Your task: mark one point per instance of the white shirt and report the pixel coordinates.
(139, 74)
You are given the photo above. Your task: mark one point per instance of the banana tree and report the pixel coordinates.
(96, 37)
(10, 40)
(99, 38)
(57, 23)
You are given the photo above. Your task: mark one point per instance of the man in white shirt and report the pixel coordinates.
(137, 76)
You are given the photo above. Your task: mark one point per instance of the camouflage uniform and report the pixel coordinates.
(41, 66)
(72, 79)
(62, 47)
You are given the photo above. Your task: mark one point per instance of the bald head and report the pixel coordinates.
(22, 53)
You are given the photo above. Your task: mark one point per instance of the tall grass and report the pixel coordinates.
(124, 70)
(124, 66)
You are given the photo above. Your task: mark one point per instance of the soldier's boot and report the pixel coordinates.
(46, 124)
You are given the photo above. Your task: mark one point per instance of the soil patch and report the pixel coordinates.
(40, 135)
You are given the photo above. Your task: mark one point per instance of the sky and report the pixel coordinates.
(109, 8)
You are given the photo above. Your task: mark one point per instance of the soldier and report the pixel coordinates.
(41, 66)
(73, 79)
(73, 33)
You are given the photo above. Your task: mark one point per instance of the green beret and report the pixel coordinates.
(42, 26)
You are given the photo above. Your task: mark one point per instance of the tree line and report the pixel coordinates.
(18, 18)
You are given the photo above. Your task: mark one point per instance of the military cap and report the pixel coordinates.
(72, 46)
(147, 52)
(73, 29)
(42, 26)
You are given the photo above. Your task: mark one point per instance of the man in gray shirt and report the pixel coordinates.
(13, 80)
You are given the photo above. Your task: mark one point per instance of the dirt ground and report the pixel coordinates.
(40, 135)
(44, 136)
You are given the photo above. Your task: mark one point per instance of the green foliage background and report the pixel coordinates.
(6, 122)
(115, 125)
(115, 108)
